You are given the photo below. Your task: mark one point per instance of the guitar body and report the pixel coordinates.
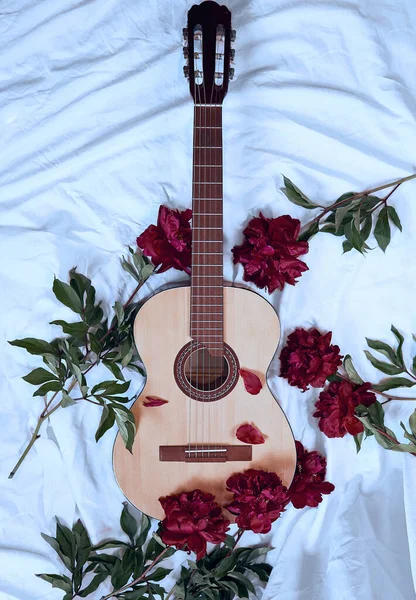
(162, 329)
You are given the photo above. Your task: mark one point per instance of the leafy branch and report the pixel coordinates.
(90, 341)
(133, 568)
(373, 416)
(351, 216)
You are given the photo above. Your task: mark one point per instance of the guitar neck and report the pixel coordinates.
(207, 229)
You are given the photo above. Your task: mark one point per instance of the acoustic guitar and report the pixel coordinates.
(194, 340)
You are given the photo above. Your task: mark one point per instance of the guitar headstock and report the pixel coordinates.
(208, 52)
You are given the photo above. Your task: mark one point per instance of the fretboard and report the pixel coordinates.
(207, 230)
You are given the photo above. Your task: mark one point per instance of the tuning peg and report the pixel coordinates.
(231, 73)
(185, 33)
(232, 55)
(185, 52)
(186, 72)
(233, 35)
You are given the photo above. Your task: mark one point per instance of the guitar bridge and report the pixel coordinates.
(205, 453)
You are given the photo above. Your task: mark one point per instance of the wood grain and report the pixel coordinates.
(251, 328)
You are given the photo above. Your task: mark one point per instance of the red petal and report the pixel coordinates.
(249, 434)
(252, 383)
(153, 401)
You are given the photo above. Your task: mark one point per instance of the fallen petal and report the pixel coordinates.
(252, 383)
(153, 401)
(249, 434)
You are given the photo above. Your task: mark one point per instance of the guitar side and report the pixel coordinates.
(252, 330)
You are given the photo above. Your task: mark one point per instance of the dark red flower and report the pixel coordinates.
(249, 434)
(309, 483)
(309, 358)
(270, 252)
(192, 518)
(252, 382)
(169, 242)
(259, 499)
(152, 401)
(336, 407)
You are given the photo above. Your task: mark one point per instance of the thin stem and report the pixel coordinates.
(391, 192)
(129, 585)
(365, 193)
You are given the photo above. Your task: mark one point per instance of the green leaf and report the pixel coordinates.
(79, 282)
(126, 425)
(67, 296)
(383, 366)
(58, 581)
(394, 217)
(366, 228)
(354, 236)
(136, 594)
(226, 565)
(412, 422)
(128, 523)
(295, 195)
(147, 271)
(404, 448)
(340, 214)
(93, 585)
(262, 570)
(119, 310)
(109, 544)
(407, 434)
(39, 375)
(358, 440)
(350, 370)
(385, 349)
(243, 580)
(110, 388)
(159, 574)
(400, 339)
(50, 386)
(67, 400)
(78, 329)
(54, 543)
(392, 383)
(312, 230)
(114, 368)
(382, 229)
(66, 541)
(145, 524)
(130, 269)
(34, 346)
(106, 422)
(346, 246)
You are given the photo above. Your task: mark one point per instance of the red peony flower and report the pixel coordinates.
(169, 243)
(259, 499)
(309, 483)
(309, 358)
(336, 407)
(192, 518)
(270, 252)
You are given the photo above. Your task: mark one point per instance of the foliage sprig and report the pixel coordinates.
(89, 341)
(353, 216)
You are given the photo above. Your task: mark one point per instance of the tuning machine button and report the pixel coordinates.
(233, 35)
(186, 72)
(231, 73)
(185, 33)
(232, 55)
(186, 52)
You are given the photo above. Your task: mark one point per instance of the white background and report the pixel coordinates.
(96, 133)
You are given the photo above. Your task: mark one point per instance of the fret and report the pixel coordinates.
(206, 127)
(207, 147)
(204, 276)
(208, 183)
(205, 253)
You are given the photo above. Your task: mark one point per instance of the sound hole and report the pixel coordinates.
(205, 372)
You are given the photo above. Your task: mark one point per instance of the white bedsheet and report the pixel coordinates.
(96, 133)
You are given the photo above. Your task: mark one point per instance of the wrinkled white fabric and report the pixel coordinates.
(96, 133)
